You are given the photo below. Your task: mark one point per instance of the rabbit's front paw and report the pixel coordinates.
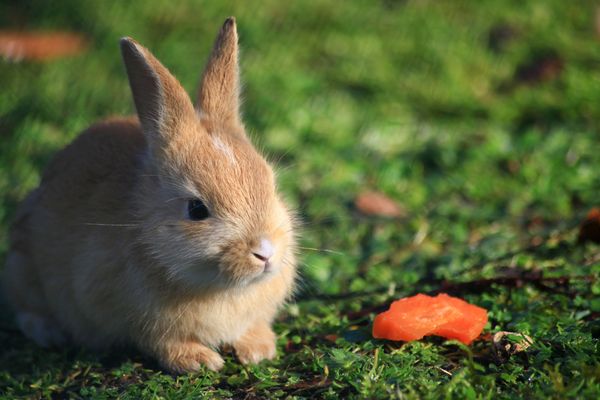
(188, 356)
(256, 345)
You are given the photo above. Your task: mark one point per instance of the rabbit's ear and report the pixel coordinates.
(162, 105)
(218, 95)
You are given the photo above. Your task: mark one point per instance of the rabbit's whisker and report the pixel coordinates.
(174, 322)
(321, 250)
(175, 198)
(116, 225)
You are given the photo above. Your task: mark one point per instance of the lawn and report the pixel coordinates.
(480, 120)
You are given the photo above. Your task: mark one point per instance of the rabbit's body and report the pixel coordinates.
(104, 251)
(68, 251)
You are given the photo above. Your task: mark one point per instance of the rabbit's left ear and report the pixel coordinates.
(219, 92)
(163, 106)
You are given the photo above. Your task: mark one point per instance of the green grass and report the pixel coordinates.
(409, 98)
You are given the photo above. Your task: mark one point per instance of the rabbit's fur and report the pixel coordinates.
(104, 251)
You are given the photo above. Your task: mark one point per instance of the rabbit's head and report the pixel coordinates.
(207, 204)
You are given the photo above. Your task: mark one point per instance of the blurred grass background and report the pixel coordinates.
(480, 119)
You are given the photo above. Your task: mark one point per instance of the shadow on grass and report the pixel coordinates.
(23, 363)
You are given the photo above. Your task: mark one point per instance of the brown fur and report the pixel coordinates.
(102, 251)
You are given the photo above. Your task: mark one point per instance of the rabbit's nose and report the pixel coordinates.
(264, 251)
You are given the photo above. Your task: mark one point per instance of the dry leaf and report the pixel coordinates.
(39, 46)
(542, 68)
(377, 204)
(589, 230)
(331, 338)
(505, 348)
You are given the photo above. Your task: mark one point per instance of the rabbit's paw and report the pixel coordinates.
(256, 345)
(188, 356)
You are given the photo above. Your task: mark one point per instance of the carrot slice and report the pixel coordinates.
(465, 328)
(413, 317)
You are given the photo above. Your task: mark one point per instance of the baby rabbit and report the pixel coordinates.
(166, 233)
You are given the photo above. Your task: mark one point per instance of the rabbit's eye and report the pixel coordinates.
(197, 210)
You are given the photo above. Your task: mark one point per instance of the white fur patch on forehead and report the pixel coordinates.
(223, 148)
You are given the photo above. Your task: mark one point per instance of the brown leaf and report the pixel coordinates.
(504, 348)
(291, 347)
(39, 46)
(541, 68)
(331, 338)
(589, 229)
(377, 204)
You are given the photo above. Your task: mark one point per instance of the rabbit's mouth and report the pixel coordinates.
(269, 270)
(251, 274)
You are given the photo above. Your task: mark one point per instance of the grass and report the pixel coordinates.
(482, 119)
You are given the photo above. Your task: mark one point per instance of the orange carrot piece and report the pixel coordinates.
(413, 317)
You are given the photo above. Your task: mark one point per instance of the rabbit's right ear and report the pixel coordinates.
(219, 92)
(162, 105)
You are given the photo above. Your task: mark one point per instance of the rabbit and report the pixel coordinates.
(165, 231)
